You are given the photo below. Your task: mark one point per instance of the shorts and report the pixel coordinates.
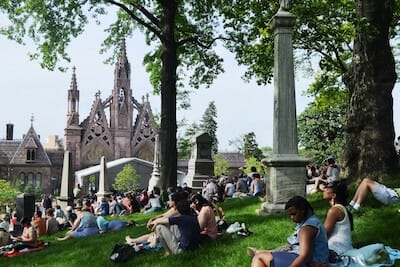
(384, 194)
(282, 259)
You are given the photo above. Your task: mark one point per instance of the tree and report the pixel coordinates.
(326, 38)
(208, 124)
(321, 124)
(127, 179)
(369, 131)
(8, 193)
(220, 165)
(250, 147)
(181, 33)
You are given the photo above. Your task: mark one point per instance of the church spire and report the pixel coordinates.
(73, 101)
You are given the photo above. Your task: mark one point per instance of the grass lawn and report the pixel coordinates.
(374, 224)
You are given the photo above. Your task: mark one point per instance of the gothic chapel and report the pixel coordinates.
(109, 129)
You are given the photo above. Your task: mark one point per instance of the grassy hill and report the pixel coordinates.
(374, 224)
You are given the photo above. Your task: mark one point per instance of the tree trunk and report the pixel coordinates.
(369, 131)
(168, 129)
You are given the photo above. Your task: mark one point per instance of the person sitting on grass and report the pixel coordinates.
(382, 193)
(206, 218)
(153, 203)
(308, 246)
(52, 225)
(39, 223)
(84, 225)
(339, 221)
(188, 236)
(151, 237)
(329, 174)
(28, 239)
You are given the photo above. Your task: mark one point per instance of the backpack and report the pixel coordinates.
(122, 253)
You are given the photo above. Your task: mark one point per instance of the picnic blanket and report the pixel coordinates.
(12, 253)
(373, 255)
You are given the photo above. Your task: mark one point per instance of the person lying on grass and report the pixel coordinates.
(308, 246)
(172, 211)
(188, 236)
(382, 193)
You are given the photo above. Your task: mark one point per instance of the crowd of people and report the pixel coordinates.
(316, 243)
(192, 219)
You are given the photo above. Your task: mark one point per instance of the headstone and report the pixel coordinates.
(286, 166)
(155, 175)
(25, 205)
(201, 164)
(104, 188)
(66, 197)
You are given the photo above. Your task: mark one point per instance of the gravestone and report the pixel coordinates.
(201, 164)
(25, 206)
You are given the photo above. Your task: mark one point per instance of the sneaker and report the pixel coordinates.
(251, 251)
(243, 233)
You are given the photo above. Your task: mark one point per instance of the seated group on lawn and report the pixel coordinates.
(317, 244)
(189, 222)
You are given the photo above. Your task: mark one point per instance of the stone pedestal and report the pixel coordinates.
(66, 197)
(200, 165)
(287, 168)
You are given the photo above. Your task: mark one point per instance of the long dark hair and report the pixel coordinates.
(199, 201)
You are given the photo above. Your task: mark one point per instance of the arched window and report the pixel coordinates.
(30, 179)
(38, 180)
(22, 178)
(31, 154)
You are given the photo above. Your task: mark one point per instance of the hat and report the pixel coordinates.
(68, 208)
(4, 225)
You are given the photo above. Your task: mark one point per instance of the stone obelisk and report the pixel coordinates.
(104, 188)
(286, 166)
(66, 197)
(155, 175)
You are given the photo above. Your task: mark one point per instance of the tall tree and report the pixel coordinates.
(208, 124)
(369, 131)
(250, 147)
(127, 179)
(324, 33)
(181, 33)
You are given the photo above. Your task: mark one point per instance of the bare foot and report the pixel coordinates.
(129, 240)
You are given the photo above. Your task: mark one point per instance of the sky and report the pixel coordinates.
(27, 90)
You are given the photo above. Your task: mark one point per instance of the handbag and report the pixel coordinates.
(122, 253)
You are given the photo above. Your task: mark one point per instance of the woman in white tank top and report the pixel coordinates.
(339, 221)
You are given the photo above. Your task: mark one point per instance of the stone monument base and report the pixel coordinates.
(65, 201)
(270, 208)
(287, 179)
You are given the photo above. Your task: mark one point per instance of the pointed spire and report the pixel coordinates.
(123, 57)
(74, 84)
(32, 119)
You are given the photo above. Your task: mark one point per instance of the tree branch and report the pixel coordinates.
(196, 41)
(139, 20)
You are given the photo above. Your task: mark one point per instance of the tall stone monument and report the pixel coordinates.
(155, 175)
(104, 187)
(66, 197)
(286, 166)
(201, 164)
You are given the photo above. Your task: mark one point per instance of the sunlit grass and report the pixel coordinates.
(375, 224)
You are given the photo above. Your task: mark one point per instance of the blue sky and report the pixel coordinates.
(27, 89)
